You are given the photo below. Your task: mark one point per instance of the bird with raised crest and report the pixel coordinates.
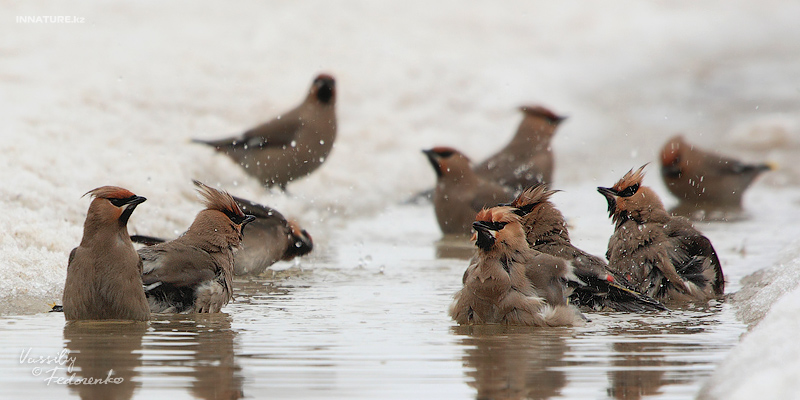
(509, 283)
(662, 256)
(104, 273)
(194, 273)
(597, 287)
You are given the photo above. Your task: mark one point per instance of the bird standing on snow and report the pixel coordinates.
(528, 159)
(194, 272)
(460, 193)
(598, 287)
(104, 274)
(707, 185)
(509, 283)
(292, 145)
(663, 256)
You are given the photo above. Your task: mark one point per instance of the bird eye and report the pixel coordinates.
(629, 191)
(445, 154)
(235, 218)
(499, 225)
(121, 202)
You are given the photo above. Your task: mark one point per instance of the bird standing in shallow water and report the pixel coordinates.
(460, 193)
(597, 286)
(269, 238)
(194, 272)
(104, 274)
(509, 283)
(528, 159)
(707, 185)
(662, 256)
(290, 146)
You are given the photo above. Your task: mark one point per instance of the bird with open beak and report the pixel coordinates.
(708, 186)
(662, 256)
(194, 273)
(291, 145)
(104, 273)
(597, 287)
(459, 192)
(509, 283)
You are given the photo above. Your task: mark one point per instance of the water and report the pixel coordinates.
(366, 318)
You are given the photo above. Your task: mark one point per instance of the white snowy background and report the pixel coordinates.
(116, 99)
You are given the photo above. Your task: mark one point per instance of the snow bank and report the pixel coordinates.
(767, 361)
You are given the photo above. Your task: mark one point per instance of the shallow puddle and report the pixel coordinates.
(364, 321)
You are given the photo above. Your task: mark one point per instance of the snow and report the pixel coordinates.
(116, 99)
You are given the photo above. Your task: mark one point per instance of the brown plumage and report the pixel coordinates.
(597, 287)
(663, 256)
(707, 185)
(268, 239)
(194, 272)
(459, 192)
(293, 144)
(528, 158)
(104, 272)
(509, 283)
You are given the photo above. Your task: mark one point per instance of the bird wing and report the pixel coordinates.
(278, 132)
(176, 264)
(695, 259)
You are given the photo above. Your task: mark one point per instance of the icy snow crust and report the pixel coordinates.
(115, 100)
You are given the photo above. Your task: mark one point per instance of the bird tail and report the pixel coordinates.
(217, 144)
(146, 240)
(600, 293)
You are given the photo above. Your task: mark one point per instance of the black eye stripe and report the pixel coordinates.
(235, 218)
(446, 154)
(629, 191)
(121, 202)
(495, 226)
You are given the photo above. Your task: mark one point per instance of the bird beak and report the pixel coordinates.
(434, 159)
(136, 200)
(130, 205)
(248, 219)
(611, 198)
(486, 236)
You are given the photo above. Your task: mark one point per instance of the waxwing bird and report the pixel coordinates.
(293, 144)
(662, 256)
(194, 272)
(104, 274)
(509, 283)
(528, 158)
(707, 185)
(459, 192)
(597, 287)
(268, 239)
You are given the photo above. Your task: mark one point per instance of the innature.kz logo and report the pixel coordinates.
(49, 19)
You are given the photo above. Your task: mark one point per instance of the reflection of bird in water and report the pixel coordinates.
(104, 349)
(514, 363)
(207, 340)
(635, 371)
